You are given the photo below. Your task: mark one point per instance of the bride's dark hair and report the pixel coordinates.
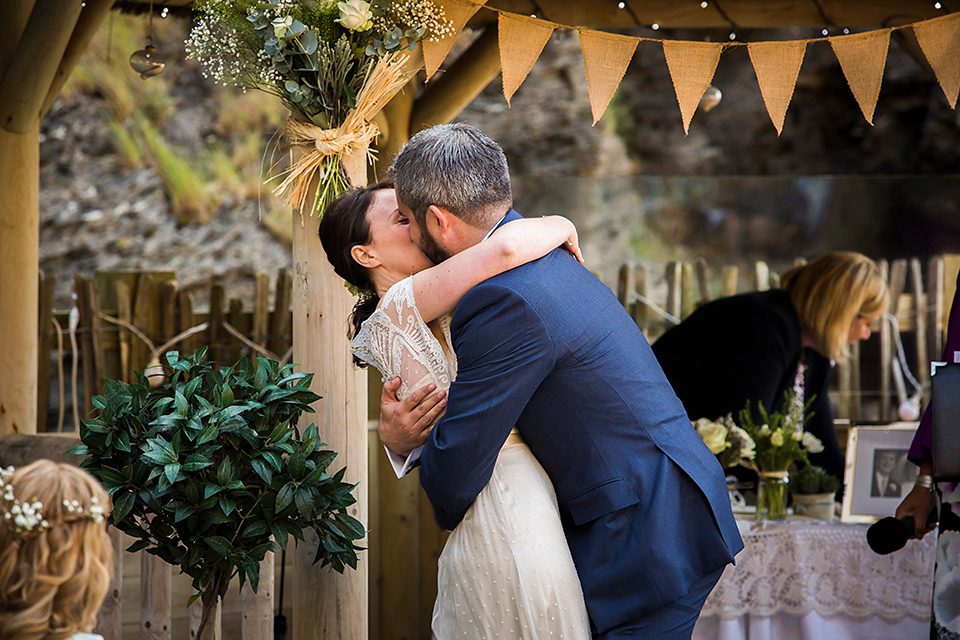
(343, 226)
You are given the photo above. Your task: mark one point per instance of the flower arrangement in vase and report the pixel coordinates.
(333, 64)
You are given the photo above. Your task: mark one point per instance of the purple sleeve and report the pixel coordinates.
(920, 448)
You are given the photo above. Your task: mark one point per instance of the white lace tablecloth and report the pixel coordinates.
(805, 566)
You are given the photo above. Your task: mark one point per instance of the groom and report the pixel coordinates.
(548, 348)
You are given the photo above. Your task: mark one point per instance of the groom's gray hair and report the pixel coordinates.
(456, 167)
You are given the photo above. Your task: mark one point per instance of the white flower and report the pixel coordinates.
(713, 434)
(811, 443)
(764, 430)
(777, 438)
(748, 448)
(355, 15)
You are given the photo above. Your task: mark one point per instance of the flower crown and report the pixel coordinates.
(28, 516)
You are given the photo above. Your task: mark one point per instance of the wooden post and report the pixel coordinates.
(109, 620)
(48, 285)
(687, 303)
(155, 598)
(257, 622)
(19, 249)
(327, 604)
(731, 275)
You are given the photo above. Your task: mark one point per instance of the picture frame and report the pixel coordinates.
(877, 475)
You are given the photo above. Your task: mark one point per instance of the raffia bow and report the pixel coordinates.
(323, 151)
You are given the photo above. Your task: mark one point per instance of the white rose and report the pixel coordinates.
(355, 15)
(811, 443)
(777, 438)
(748, 448)
(714, 435)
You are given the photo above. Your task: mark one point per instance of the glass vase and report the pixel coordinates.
(772, 495)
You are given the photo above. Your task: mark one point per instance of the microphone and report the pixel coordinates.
(889, 534)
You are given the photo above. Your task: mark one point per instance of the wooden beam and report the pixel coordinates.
(30, 71)
(450, 92)
(745, 13)
(13, 20)
(90, 19)
(327, 604)
(19, 254)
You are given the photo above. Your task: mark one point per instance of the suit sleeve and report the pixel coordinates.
(503, 354)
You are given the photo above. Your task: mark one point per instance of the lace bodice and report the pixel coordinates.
(397, 341)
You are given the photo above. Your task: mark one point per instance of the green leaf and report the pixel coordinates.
(275, 461)
(195, 462)
(122, 506)
(183, 511)
(171, 471)
(138, 545)
(304, 502)
(227, 505)
(225, 472)
(181, 403)
(226, 396)
(209, 435)
(296, 464)
(210, 489)
(262, 470)
(79, 450)
(285, 496)
(219, 544)
(100, 402)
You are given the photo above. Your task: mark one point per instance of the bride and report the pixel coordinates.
(506, 570)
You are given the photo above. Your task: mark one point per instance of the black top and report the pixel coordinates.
(747, 347)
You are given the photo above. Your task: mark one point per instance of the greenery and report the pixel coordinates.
(209, 472)
(813, 479)
(778, 438)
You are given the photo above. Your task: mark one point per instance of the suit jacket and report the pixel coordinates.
(546, 347)
(746, 347)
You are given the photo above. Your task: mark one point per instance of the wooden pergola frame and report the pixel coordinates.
(40, 43)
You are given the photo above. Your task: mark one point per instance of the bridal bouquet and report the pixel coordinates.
(333, 64)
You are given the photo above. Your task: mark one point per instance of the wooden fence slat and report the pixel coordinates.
(687, 303)
(124, 312)
(187, 320)
(168, 312)
(239, 322)
(922, 372)
(703, 279)
(761, 275)
(673, 276)
(886, 354)
(109, 620)
(146, 317)
(935, 271)
(216, 334)
(625, 285)
(730, 278)
(261, 311)
(85, 342)
(641, 312)
(280, 321)
(257, 620)
(47, 338)
(155, 598)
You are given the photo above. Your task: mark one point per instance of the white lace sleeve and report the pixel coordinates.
(396, 341)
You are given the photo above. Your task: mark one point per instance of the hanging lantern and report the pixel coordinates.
(147, 62)
(710, 98)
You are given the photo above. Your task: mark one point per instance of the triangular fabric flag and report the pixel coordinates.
(940, 40)
(862, 57)
(691, 65)
(521, 41)
(459, 13)
(605, 59)
(777, 65)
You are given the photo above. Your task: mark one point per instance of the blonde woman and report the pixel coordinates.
(756, 346)
(55, 556)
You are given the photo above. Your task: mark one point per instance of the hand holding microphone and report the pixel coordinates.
(891, 534)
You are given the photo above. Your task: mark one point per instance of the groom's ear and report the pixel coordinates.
(362, 256)
(441, 218)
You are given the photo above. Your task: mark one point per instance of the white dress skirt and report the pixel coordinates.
(506, 570)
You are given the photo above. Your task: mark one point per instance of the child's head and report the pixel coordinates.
(55, 556)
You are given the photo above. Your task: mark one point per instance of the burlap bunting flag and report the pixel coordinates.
(777, 65)
(691, 65)
(458, 12)
(605, 59)
(863, 57)
(521, 41)
(940, 40)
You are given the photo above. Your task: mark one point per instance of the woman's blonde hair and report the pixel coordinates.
(53, 576)
(829, 294)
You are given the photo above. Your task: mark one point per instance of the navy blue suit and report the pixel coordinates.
(546, 347)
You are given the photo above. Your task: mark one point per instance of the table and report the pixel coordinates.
(808, 579)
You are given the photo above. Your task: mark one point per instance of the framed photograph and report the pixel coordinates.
(878, 475)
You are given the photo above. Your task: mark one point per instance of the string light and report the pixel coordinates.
(825, 32)
(846, 31)
(937, 5)
(165, 12)
(655, 26)
(732, 36)
(704, 4)
(622, 5)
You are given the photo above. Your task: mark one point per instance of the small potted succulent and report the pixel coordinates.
(813, 492)
(208, 471)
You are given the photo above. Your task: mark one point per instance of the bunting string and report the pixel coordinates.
(606, 56)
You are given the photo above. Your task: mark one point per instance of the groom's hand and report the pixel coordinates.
(405, 424)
